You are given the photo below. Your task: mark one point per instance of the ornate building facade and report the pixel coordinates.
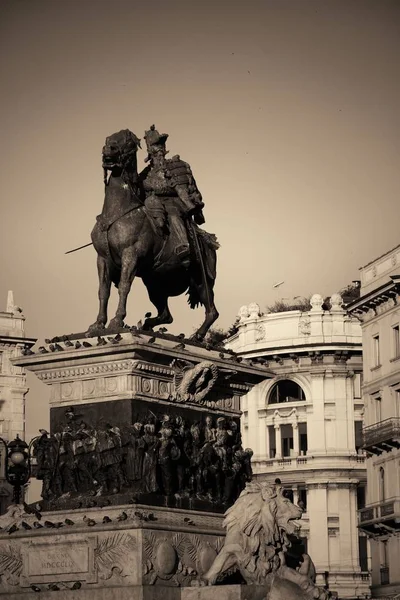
(305, 427)
(378, 309)
(13, 387)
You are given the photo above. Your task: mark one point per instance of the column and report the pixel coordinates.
(316, 425)
(278, 441)
(267, 453)
(317, 509)
(295, 490)
(251, 437)
(348, 538)
(296, 445)
(262, 434)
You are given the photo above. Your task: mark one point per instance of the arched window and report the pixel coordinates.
(286, 391)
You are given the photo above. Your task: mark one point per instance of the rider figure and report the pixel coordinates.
(172, 197)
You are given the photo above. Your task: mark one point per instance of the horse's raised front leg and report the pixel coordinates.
(104, 294)
(128, 271)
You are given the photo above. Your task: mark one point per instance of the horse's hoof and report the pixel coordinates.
(197, 338)
(115, 325)
(95, 330)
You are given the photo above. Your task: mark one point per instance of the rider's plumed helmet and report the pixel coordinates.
(154, 141)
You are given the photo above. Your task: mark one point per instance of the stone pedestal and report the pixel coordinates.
(108, 384)
(95, 553)
(126, 544)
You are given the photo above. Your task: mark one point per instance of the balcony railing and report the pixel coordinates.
(381, 517)
(264, 465)
(382, 436)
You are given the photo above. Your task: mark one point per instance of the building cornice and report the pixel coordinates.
(13, 340)
(305, 350)
(376, 297)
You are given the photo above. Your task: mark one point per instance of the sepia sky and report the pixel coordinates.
(287, 111)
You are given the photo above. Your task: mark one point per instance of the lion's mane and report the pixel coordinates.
(253, 517)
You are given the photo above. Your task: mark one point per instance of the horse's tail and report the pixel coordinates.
(115, 277)
(193, 296)
(208, 245)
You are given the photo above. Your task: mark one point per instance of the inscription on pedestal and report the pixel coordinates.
(57, 561)
(60, 561)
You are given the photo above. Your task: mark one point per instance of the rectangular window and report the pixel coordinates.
(304, 542)
(363, 553)
(396, 341)
(376, 351)
(378, 410)
(385, 577)
(358, 434)
(361, 499)
(357, 385)
(303, 497)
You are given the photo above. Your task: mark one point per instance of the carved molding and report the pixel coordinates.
(260, 333)
(317, 485)
(73, 372)
(305, 326)
(169, 372)
(333, 531)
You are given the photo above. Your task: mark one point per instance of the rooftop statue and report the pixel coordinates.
(148, 228)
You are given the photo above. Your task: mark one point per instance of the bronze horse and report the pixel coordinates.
(128, 246)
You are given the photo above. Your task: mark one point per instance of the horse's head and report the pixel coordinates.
(120, 150)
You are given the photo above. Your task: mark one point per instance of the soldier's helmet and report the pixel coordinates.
(154, 141)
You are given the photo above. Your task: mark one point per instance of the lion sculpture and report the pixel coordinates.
(257, 530)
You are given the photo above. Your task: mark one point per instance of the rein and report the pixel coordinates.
(105, 224)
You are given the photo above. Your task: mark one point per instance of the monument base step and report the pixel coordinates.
(143, 592)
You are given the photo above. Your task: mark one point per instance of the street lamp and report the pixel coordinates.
(17, 465)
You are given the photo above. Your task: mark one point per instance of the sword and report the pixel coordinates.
(80, 248)
(202, 267)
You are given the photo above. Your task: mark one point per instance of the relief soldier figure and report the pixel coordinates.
(66, 460)
(150, 459)
(45, 449)
(209, 431)
(221, 442)
(135, 453)
(83, 447)
(168, 454)
(110, 447)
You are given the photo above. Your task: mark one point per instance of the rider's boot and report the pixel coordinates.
(183, 253)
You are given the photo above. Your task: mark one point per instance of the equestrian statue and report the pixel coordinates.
(149, 228)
